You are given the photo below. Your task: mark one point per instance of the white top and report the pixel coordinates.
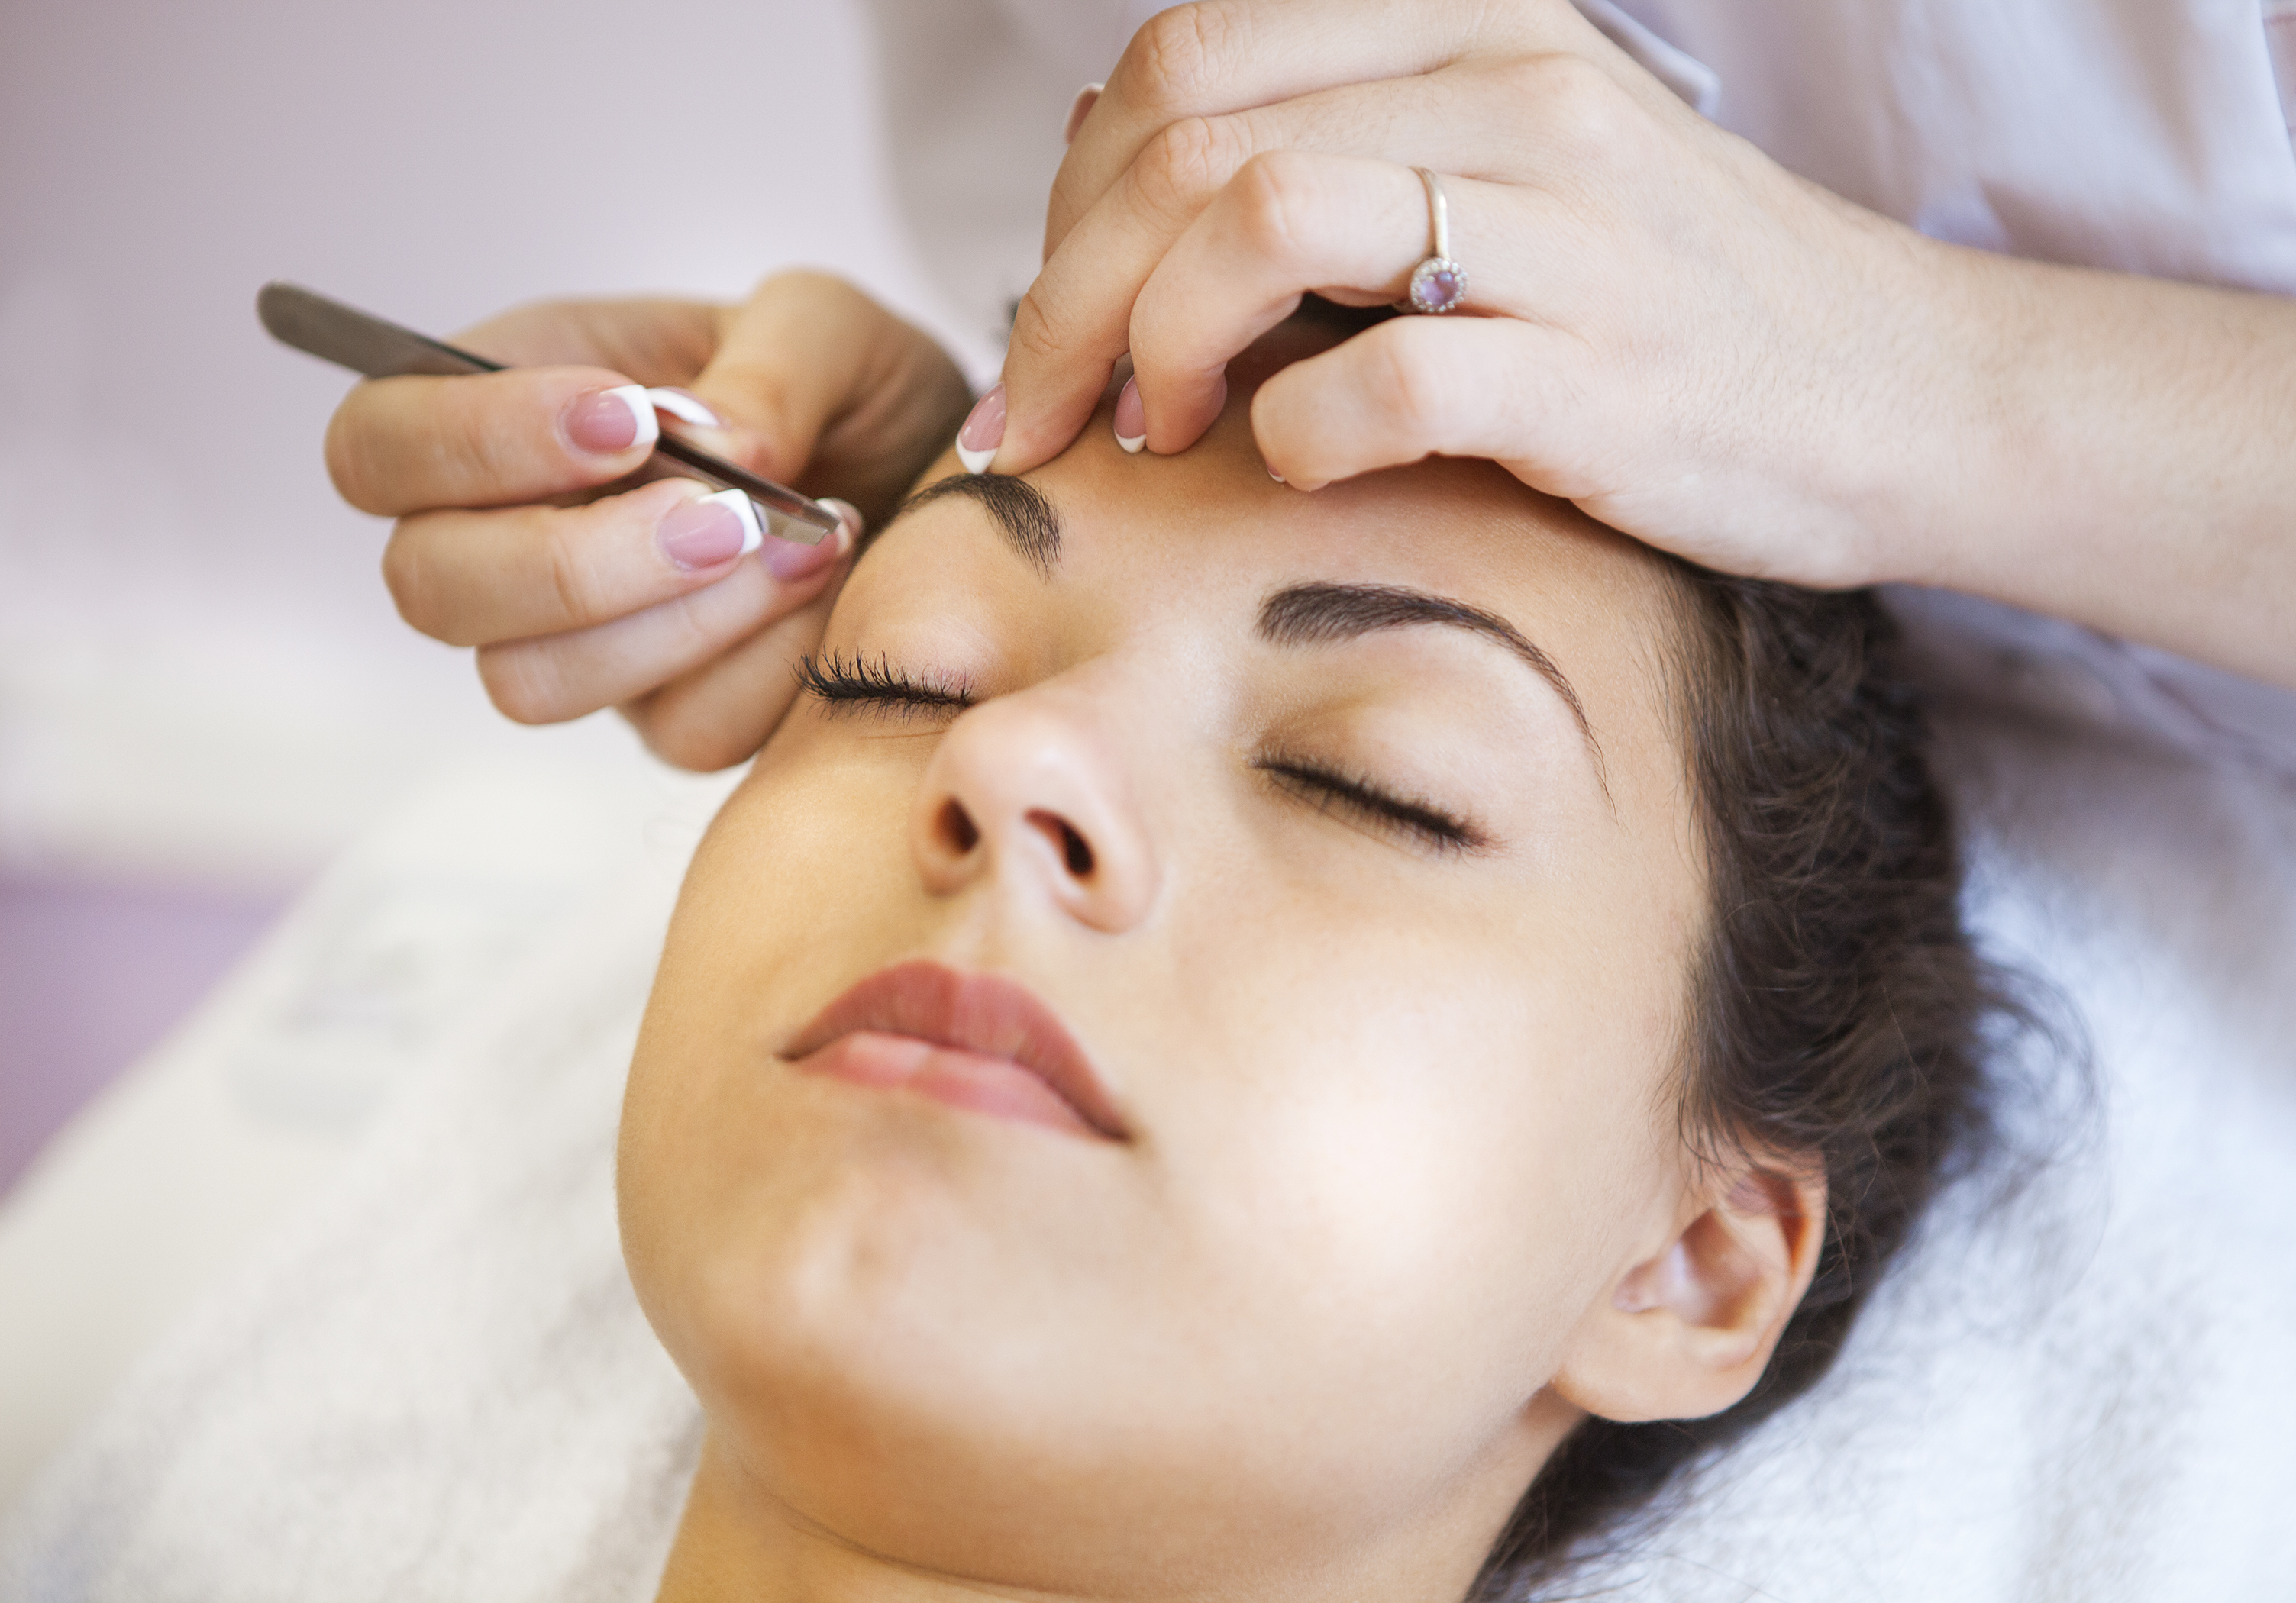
(2145, 135)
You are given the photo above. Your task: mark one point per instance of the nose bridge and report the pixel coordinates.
(1035, 791)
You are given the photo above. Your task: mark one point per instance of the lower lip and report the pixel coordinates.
(972, 1081)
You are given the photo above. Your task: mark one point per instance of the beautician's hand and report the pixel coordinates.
(1669, 327)
(633, 598)
(1662, 325)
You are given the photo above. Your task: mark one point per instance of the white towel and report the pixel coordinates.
(437, 1385)
(437, 1382)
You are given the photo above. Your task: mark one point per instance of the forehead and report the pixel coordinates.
(1212, 514)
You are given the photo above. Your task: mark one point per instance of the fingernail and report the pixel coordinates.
(709, 530)
(1079, 109)
(983, 431)
(607, 421)
(1131, 417)
(684, 405)
(1273, 474)
(790, 559)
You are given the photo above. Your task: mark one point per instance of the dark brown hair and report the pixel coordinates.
(1837, 1008)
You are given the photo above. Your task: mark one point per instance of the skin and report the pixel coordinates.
(1403, 1198)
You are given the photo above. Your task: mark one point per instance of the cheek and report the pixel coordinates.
(799, 869)
(805, 849)
(1422, 1139)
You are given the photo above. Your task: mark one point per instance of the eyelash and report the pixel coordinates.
(856, 681)
(852, 681)
(1326, 790)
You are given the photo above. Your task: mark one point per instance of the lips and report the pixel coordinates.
(977, 1042)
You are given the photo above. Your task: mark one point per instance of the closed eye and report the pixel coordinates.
(1328, 790)
(854, 683)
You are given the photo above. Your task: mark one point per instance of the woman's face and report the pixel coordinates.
(1371, 943)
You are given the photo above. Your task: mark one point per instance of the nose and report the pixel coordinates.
(1024, 791)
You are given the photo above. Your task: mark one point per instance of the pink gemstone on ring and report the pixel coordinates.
(1437, 284)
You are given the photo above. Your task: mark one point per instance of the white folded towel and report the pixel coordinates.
(436, 1384)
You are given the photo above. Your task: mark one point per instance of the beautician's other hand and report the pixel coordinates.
(1668, 328)
(633, 598)
(1662, 325)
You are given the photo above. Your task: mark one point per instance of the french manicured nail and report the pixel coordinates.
(609, 421)
(709, 530)
(684, 405)
(1131, 417)
(790, 559)
(1079, 109)
(983, 433)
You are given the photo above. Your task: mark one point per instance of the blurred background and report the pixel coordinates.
(205, 696)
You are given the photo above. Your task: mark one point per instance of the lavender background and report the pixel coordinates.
(204, 693)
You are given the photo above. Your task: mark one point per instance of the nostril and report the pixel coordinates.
(955, 827)
(1075, 850)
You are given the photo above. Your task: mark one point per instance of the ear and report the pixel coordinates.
(1687, 1330)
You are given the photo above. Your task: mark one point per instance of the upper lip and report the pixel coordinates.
(984, 1013)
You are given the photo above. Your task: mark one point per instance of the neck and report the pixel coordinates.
(737, 1542)
(740, 1542)
(734, 1544)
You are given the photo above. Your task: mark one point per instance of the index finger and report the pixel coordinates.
(411, 445)
(1214, 57)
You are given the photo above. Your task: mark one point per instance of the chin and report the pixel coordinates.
(910, 1392)
(880, 1252)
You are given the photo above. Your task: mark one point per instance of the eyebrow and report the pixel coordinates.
(1298, 615)
(1023, 513)
(1319, 614)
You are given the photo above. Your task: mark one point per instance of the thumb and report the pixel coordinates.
(789, 361)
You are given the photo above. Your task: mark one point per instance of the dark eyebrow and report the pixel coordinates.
(1023, 513)
(1301, 615)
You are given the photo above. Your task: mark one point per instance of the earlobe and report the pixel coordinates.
(1687, 1330)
